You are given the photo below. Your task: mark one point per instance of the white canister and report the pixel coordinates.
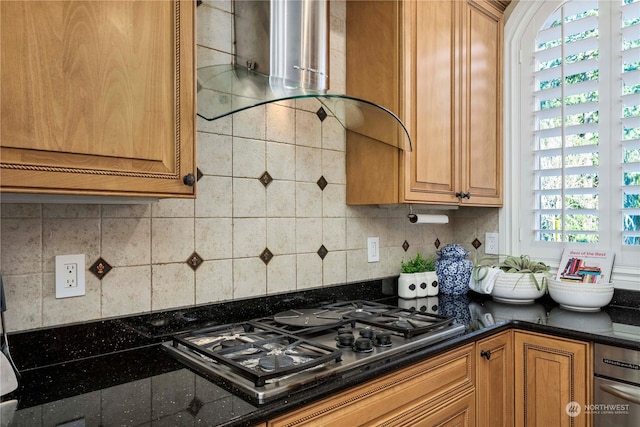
(427, 284)
(407, 286)
(421, 281)
(432, 284)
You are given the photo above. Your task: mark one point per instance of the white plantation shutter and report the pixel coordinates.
(630, 117)
(566, 120)
(574, 120)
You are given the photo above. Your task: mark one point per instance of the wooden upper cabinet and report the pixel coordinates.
(98, 97)
(437, 64)
(482, 91)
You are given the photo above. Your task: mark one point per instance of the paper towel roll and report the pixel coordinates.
(428, 219)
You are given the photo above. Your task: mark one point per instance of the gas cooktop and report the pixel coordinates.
(270, 357)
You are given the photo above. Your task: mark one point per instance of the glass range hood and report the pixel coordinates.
(282, 53)
(227, 89)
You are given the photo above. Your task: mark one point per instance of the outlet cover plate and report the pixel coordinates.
(62, 290)
(491, 245)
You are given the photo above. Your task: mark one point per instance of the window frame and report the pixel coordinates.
(523, 21)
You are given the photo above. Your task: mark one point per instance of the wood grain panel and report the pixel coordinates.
(97, 96)
(482, 139)
(434, 382)
(494, 384)
(551, 372)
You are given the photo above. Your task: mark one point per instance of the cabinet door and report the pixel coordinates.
(431, 61)
(97, 97)
(481, 128)
(551, 373)
(494, 381)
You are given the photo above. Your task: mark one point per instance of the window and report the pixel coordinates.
(573, 133)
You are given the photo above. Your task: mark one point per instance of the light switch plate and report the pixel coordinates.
(373, 249)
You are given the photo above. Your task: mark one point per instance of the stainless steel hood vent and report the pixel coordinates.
(282, 53)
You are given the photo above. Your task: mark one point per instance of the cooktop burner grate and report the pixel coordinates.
(408, 322)
(256, 353)
(296, 349)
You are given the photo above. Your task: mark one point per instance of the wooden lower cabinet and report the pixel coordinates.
(494, 380)
(438, 391)
(550, 373)
(512, 378)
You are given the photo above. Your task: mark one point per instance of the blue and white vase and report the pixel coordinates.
(453, 270)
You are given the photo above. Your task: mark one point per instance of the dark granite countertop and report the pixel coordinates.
(114, 372)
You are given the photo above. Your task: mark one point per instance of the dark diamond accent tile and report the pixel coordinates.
(436, 243)
(266, 256)
(100, 268)
(194, 261)
(321, 114)
(322, 183)
(476, 243)
(265, 178)
(405, 246)
(199, 174)
(322, 252)
(195, 406)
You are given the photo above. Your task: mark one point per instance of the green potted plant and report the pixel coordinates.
(417, 277)
(515, 279)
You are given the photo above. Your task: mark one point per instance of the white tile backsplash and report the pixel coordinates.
(126, 290)
(233, 219)
(214, 281)
(215, 154)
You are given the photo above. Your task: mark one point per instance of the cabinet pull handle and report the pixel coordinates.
(486, 354)
(189, 179)
(461, 195)
(621, 391)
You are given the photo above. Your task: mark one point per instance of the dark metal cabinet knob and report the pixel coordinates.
(486, 354)
(189, 179)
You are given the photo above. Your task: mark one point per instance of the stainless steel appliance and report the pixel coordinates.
(617, 387)
(290, 351)
(281, 52)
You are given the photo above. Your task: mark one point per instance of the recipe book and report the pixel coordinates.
(585, 265)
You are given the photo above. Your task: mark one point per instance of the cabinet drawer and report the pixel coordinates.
(433, 380)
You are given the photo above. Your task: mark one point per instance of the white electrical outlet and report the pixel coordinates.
(70, 276)
(491, 243)
(373, 249)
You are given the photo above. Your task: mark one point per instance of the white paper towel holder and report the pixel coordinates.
(428, 219)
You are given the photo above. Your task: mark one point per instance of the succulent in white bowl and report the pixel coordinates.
(521, 279)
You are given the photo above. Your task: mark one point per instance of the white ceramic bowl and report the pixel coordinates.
(581, 296)
(517, 288)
